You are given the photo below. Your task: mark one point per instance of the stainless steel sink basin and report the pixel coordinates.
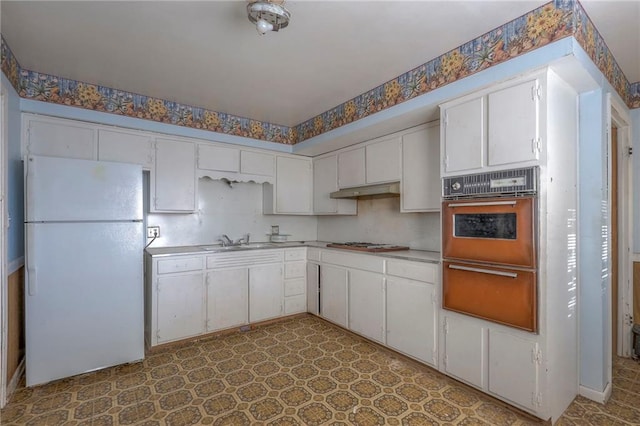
(240, 247)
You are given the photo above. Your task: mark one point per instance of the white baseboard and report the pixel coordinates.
(601, 397)
(13, 384)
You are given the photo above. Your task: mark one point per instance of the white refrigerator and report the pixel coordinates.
(84, 267)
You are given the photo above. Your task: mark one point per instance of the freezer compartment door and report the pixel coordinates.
(84, 298)
(63, 189)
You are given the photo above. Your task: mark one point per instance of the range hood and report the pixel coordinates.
(380, 190)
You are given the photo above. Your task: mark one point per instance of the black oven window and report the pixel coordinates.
(486, 225)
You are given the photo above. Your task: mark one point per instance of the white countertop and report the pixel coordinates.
(413, 255)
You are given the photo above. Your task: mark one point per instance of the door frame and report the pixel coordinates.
(3, 246)
(618, 116)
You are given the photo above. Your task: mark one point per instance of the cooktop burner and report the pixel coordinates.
(363, 246)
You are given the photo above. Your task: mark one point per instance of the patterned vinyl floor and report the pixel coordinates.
(301, 371)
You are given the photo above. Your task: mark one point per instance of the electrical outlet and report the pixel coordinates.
(153, 231)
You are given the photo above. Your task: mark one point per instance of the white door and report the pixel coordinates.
(464, 136)
(366, 304)
(227, 298)
(294, 181)
(513, 368)
(63, 189)
(83, 298)
(421, 187)
(351, 168)
(313, 288)
(61, 138)
(325, 181)
(123, 147)
(333, 294)
(465, 351)
(175, 176)
(265, 292)
(411, 318)
(180, 310)
(513, 124)
(382, 162)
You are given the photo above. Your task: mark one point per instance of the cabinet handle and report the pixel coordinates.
(484, 271)
(483, 204)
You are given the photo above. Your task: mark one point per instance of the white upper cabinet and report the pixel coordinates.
(214, 157)
(55, 137)
(497, 127)
(325, 181)
(293, 189)
(351, 168)
(382, 161)
(420, 182)
(513, 124)
(175, 180)
(257, 163)
(126, 147)
(464, 136)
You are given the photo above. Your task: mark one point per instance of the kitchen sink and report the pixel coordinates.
(250, 246)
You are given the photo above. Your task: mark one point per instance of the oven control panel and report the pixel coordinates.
(503, 182)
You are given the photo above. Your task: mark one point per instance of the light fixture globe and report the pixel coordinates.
(267, 15)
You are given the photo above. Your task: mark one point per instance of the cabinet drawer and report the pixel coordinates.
(367, 263)
(182, 264)
(295, 304)
(313, 254)
(295, 254)
(294, 287)
(294, 269)
(413, 270)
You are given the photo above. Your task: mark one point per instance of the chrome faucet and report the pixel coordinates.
(243, 240)
(225, 241)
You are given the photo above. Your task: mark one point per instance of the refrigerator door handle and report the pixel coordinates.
(32, 273)
(32, 281)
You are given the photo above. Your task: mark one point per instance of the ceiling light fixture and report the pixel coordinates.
(268, 15)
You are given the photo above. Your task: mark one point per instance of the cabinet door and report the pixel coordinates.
(212, 157)
(265, 292)
(256, 163)
(313, 288)
(421, 171)
(351, 168)
(175, 183)
(383, 161)
(325, 181)
(227, 298)
(61, 138)
(180, 310)
(465, 350)
(294, 181)
(366, 304)
(464, 136)
(513, 124)
(126, 147)
(513, 368)
(411, 318)
(333, 294)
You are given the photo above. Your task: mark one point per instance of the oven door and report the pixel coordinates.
(491, 230)
(502, 295)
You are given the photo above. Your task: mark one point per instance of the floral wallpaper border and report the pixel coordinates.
(546, 24)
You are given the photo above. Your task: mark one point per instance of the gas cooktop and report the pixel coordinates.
(371, 247)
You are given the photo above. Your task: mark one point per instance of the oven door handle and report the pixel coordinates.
(482, 204)
(484, 271)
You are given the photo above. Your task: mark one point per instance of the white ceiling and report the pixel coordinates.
(207, 53)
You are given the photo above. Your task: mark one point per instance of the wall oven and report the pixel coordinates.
(489, 246)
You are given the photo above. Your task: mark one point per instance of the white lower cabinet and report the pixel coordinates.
(227, 298)
(179, 307)
(313, 288)
(333, 294)
(465, 354)
(265, 292)
(411, 318)
(513, 368)
(366, 304)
